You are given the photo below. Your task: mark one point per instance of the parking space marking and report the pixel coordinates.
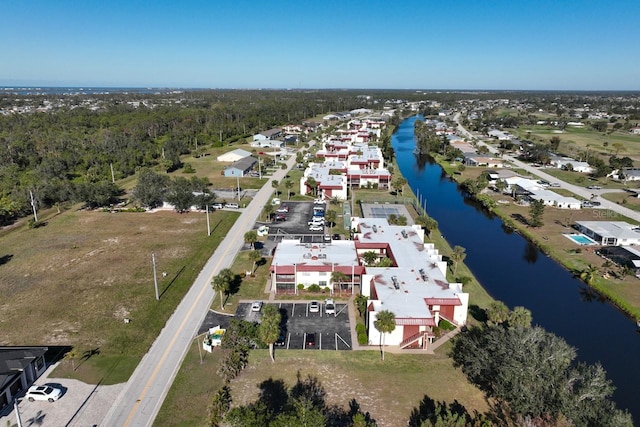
(345, 343)
(344, 307)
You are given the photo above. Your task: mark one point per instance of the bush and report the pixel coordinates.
(363, 339)
(300, 287)
(313, 288)
(361, 329)
(188, 168)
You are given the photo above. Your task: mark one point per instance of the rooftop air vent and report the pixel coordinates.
(375, 229)
(404, 234)
(423, 274)
(394, 279)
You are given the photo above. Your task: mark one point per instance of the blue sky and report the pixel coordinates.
(444, 44)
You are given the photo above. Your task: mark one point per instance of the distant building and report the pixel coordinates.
(233, 156)
(241, 167)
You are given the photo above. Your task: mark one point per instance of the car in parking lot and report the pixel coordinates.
(311, 340)
(318, 214)
(283, 209)
(256, 306)
(280, 217)
(43, 392)
(329, 306)
(319, 202)
(314, 307)
(316, 221)
(282, 340)
(217, 206)
(316, 228)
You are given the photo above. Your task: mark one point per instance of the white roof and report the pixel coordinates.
(617, 229)
(338, 252)
(234, 155)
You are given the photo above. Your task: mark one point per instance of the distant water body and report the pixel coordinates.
(68, 90)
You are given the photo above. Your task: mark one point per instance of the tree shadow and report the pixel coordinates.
(234, 286)
(5, 258)
(588, 294)
(273, 393)
(37, 419)
(431, 410)
(172, 281)
(478, 313)
(521, 219)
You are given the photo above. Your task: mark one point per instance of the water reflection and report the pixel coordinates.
(530, 252)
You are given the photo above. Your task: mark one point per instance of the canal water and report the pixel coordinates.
(516, 272)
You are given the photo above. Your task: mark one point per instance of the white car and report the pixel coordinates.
(316, 221)
(316, 228)
(283, 209)
(43, 392)
(314, 307)
(256, 306)
(329, 306)
(319, 202)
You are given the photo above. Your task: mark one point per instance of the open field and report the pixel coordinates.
(573, 138)
(627, 199)
(74, 281)
(344, 375)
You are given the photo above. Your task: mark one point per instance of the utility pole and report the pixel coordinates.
(208, 224)
(155, 275)
(15, 406)
(33, 205)
(238, 180)
(199, 348)
(113, 177)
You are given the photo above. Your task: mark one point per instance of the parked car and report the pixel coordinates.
(275, 201)
(329, 306)
(594, 187)
(314, 307)
(594, 203)
(282, 340)
(554, 185)
(217, 206)
(256, 306)
(316, 228)
(311, 340)
(318, 214)
(231, 206)
(316, 221)
(283, 209)
(43, 392)
(280, 217)
(319, 202)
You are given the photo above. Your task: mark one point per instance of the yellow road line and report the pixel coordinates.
(175, 337)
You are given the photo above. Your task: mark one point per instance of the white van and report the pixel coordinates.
(231, 206)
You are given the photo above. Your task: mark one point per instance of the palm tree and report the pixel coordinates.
(71, 356)
(520, 317)
(275, 184)
(428, 223)
(251, 237)
(331, 216)
(312, 184)
(269, 329)
(222, 283)
(497, 313)
(268, 211)
(338, 277)
(589, 274)
(288, 184)
(370, 258)
(385, 324)
(458, 255)
(255, 256)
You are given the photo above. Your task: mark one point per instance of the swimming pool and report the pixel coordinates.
(580, 239)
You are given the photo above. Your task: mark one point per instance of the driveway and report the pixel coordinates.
(80, 405)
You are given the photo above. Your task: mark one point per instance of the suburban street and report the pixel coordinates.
(138, 404)
(580, 191)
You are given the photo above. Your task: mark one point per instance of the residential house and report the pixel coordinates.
(610, 233)
(241, 167)
(19, 368)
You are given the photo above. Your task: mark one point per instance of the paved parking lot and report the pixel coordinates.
(332, 332)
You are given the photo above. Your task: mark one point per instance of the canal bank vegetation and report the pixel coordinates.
(611, 281)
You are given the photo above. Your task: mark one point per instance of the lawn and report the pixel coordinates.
(389, 390)
(74, 281)
(628, 200)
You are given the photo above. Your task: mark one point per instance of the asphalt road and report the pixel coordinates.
(580, 191)
(138, 404)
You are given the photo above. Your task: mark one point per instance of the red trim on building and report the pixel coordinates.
(442, 301)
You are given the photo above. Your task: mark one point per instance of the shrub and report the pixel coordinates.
(188, 168)
(363, 339)
(361, 329)
(313, 288)
(300, 287)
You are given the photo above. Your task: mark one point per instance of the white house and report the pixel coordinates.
(610, 233)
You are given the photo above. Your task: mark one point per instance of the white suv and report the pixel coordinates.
(329, 306)
(43, 392)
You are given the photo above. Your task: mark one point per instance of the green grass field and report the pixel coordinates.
(73, 281)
